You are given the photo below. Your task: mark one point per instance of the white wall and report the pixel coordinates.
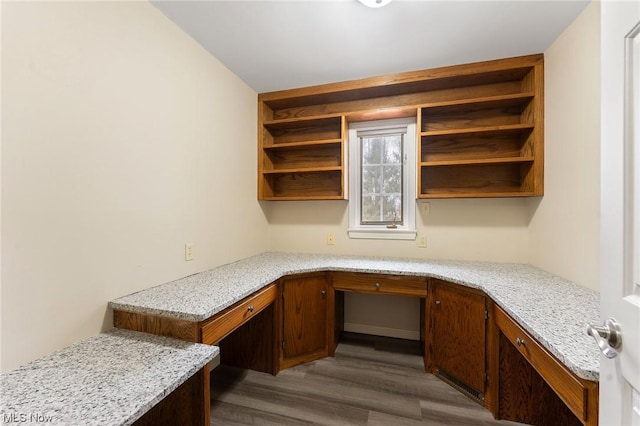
(466, 229)
(122, 139)
(564, 234)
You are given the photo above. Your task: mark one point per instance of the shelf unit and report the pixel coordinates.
(302, 158)
(480, 131)
(484, 146)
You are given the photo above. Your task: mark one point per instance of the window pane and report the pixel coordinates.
(392, 208)
(371, 179)
(371, 208)
(372, 150)
(392, 179)
(393, 150)
(381, 173)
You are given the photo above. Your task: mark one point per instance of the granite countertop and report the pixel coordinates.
(553, 310)
(109, 379)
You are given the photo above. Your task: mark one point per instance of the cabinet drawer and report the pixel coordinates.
(222, 324)
(379, 283)
(569, 388)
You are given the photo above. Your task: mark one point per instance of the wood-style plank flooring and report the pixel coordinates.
(376, 382)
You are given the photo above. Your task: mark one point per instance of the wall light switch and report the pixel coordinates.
(425, 208)
(331, 240)
(188, 251)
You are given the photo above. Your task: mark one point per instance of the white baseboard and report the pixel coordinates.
(382, 331)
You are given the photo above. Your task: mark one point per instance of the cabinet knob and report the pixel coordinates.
(519, 341)
(324, 293)
(250, 309)
(438, 303)
(377, 285)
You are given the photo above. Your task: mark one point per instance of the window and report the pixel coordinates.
(382, 179)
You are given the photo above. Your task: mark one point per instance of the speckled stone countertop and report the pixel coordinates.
(109, 379)
(553, 310)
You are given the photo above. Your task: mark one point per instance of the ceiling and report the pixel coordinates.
(274, 45)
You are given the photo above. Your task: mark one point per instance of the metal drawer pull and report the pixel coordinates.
(438, 303)
(250, 309)
(519, 341)
(608, 337)
(377, 285)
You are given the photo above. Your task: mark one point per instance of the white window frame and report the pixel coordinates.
(406, 231)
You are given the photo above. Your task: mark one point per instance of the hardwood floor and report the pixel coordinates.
(376, 382)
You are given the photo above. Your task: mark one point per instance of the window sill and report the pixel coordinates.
(382, 234)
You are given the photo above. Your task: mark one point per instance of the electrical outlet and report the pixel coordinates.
(422, 241)
(425, 208)
(331, 239)
(188, 251)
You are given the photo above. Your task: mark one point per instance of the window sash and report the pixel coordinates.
(384, 134)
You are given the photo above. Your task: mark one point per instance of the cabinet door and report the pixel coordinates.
(306, 301)
(457, 334)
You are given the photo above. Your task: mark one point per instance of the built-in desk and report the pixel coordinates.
(209, 305)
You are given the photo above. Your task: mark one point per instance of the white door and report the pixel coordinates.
(620, 209)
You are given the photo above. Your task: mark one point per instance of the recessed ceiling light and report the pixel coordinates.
(375, 3)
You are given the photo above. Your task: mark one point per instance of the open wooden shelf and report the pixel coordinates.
(304, 170)
(315, 157)
(506, 179)
(303, 184)
(301, 122)
(480, 131)
(483, 146)
(481, 103)
(488, 161)
(394, 90)
(303, 144)
(301, 158)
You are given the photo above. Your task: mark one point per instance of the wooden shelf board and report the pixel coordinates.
(303, 121)
(484, 102)
(303, 170)
(303, 144)
(510, 194)
(482, 161)
(477, 131)
(301, 198)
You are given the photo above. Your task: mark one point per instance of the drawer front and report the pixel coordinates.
(562, 381)
(222, 324)
(379, 283)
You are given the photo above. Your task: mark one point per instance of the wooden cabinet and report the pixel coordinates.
(246, 332)
(480, 131)
(530, 377)
(307, 301)
(456, 330)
